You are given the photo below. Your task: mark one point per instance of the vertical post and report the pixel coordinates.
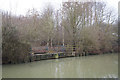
(63, 36)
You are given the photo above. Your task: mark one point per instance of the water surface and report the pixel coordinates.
(97, 66)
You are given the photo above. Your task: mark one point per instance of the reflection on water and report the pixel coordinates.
(0, 71)
(99, 66)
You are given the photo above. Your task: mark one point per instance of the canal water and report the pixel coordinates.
(96, 66)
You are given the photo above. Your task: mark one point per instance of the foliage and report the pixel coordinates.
(13, 50)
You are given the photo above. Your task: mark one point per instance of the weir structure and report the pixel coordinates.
(44, 52)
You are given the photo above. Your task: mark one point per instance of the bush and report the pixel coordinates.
(13, 50)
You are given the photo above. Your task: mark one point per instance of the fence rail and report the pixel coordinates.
(66, 48)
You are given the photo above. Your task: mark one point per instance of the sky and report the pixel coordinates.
(20, 7)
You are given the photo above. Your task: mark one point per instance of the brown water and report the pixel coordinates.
(98, 66)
